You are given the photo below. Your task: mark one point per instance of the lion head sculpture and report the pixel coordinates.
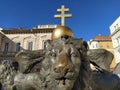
(64, 67)
(68, 63)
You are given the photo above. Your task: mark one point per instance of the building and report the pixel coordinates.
(17, 39)
(115, 35)
(102, 42)
(1, 35)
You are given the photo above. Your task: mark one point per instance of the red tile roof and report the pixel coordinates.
(101, 38)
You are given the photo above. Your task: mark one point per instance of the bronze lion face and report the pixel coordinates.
(66, 62)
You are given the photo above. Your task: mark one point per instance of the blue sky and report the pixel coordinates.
(89, 17)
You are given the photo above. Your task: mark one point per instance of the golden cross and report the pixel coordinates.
(63, 15)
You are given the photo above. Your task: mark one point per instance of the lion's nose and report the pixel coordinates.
(63, 64)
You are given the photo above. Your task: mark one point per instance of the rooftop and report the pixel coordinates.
(101, 38)
(39, 29)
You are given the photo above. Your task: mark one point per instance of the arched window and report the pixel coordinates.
(17, 47)
(44, 45)
(30, 45)
(6, 47)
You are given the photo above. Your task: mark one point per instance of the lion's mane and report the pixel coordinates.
(9, 69)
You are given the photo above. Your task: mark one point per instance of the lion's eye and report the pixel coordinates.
(74, 54)
(53, 54)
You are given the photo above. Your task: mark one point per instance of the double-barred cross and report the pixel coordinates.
(63, 15)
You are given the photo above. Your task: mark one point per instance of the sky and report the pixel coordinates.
(89, 17)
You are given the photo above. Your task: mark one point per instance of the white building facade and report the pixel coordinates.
(115, 35)
(93, 44)
(15, 40)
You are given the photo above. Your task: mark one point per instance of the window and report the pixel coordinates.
(96, 45)
(6, 47)
(118, 41)
(30, 45)
(44, 45)
(108, 46)
(101, 46)
(115, 43)
(17, 47)
(117, 26)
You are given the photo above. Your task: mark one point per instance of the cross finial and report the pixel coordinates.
(63, 15)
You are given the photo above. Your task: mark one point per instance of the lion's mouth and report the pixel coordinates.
(62, 80)
(65, 83)
(65, 79)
